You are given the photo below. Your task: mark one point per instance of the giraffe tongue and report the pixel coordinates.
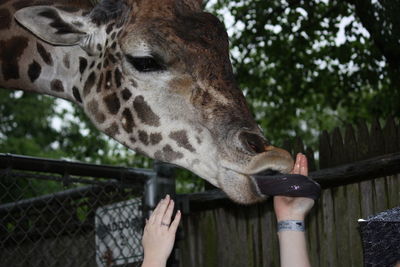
(291, 185)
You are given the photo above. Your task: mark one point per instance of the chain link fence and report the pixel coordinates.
(60, 219)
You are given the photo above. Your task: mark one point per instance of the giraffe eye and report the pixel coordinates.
(145, 64)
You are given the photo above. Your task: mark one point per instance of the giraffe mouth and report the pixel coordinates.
(267, 174)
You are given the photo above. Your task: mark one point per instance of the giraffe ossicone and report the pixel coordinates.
(155, 75)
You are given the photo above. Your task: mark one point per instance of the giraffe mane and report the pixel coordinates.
(107, 10)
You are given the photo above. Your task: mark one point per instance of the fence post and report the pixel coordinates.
(159, 185)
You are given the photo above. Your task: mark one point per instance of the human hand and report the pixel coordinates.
(159, 233)
(294, 208)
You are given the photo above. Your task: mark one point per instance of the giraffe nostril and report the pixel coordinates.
(253, 142)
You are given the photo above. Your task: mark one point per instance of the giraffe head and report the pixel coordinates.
(161, 83)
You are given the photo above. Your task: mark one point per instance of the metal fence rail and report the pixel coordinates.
(50, 216)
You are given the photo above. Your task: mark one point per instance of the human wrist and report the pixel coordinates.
(288, 217)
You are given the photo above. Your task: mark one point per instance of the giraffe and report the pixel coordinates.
(155, 75)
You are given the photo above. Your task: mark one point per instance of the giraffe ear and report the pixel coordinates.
(56, 26)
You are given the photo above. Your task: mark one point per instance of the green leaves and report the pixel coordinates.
(306, 66)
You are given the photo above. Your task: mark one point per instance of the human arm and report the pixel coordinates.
(159, 234)
(292, 244)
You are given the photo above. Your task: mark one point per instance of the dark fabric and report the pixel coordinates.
(381, 239)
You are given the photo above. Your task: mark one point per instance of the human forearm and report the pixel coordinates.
(153, 263)
(293, 249)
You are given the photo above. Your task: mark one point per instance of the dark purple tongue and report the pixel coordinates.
(291, 185)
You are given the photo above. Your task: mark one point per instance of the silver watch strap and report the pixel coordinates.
(291, 225)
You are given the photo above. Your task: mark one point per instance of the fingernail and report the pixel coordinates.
(167, 196)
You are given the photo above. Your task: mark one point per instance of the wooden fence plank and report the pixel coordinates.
(376, 141)
(338, 156)
(311, 160)
(224, 230)
(329, 257)
(287, 145)
(313, 234)
(353, 213)
(298, 146)
(390, 136)
(324, 151)
(362, 140)
(367, 205)
(381, 201)
(350, 144)
(269, 237)
(393, 185)
(341, 215)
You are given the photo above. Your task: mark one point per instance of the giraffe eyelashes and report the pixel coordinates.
(145, 64)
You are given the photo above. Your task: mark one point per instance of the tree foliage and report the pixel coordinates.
(311, 65)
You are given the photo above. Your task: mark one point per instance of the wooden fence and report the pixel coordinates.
(360, 174)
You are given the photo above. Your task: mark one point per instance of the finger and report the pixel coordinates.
(175, 223)
(168, 213)
(161, 210)
(296, 168)
(157, 210)
(304, 166)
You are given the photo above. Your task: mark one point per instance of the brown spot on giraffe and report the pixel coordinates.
(46, 56)
(34, 70)
(167, 154)
(155, 138)
(145, 113)
(113, 35)
(92, 65)
(181, 138)
(89, 84)
(127, 120)
(113, 45)
(109, 28)
(11, 51)
(117, 77)
(112, 103)
(76, 94)
(126, 94)
(105, 63)
(111, 58)
(56, 86)
(112, 130)
(5, 19)
(144, 137)
(66, 61)
(82, 64)
(93, 108)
